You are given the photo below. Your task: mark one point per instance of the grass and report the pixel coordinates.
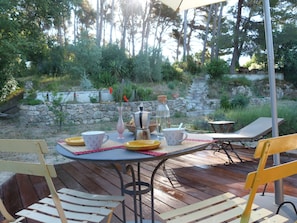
(242, 117)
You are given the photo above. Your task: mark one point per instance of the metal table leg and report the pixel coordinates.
(136, 188)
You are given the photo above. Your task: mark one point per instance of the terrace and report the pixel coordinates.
(192, 177)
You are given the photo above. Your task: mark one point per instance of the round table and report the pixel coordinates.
(126, 158)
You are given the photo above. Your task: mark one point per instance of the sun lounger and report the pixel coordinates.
(250, 133)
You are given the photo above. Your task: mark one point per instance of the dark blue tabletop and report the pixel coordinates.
(127, 156)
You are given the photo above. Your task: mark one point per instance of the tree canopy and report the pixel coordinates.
(70, 36)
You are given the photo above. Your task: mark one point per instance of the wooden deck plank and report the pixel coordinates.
(194, 177)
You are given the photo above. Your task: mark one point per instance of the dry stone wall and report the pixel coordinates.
(91, 113)
(196, 104)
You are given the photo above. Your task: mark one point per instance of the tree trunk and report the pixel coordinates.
(206, 35)
(185, 34)
(111, 22)
(219, 30)
(235, 55)
(99, 21)
(214, 32)
(133, 35)
(124, 33)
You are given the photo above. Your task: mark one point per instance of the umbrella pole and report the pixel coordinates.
(278, 185)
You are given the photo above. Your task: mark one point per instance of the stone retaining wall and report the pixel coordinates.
(91, 113)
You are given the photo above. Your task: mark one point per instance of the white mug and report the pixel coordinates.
(174, 136)
(94, 139)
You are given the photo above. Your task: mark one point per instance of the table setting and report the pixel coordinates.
(131, 149)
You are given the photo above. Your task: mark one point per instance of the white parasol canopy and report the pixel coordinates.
(187, 4)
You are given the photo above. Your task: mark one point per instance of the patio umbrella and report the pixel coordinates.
(187, 4)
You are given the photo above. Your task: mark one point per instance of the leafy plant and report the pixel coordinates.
(31, 99)
(105, 79)
(142, 69)
(171, 85)
(8, 86)
(56, 107)
(85, 82)
(239, 101)
(144, 94)
(217, 68)
(225, 102)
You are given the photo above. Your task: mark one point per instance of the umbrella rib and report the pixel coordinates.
(179, 5)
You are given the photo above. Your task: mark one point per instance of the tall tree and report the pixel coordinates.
(99, 21)
(235, 54)
(164, 19)
(205, 40)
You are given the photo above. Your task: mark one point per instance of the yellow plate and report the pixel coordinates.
(75, 141)
(142, 144)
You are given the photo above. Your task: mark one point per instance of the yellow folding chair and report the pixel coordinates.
(230, 208)
(66, 205)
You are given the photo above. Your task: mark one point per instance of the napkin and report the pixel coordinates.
(99, 150)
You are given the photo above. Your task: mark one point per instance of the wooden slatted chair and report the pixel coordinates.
(66, 205)
(229, 208)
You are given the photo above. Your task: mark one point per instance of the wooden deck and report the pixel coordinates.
(192, 178)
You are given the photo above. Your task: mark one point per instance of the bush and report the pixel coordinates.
(142, 68)
(290, 67)
(7, 86)
(171, 72)
(225, 102)
(105, 79)
(192, 66)
(144, 94)
(239, 101)
(217, 68)
(199, 124)
(171, 85)
(85, 82)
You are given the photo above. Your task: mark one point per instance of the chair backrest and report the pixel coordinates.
(36, 168)
(258, 128)
(265, 174)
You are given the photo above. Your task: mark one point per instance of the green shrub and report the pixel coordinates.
(142, 69)
(144, 94)
(171, 72)
(122, 89)
(85, 82)
(105, 79)
(31, 99)
(225, 102)
(179, 115)
(93, 99)
(171, 85)
(239, 81)
(56, 107)
(239, 101)
(200, 124)
(290, 66)
(155, 59)
(192, 66)
(217, 68)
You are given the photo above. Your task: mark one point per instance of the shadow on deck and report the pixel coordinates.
(191, 178)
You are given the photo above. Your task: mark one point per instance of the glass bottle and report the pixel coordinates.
(162, 115)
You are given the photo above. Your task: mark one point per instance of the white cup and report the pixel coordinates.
(94, 139)
(174, 136)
